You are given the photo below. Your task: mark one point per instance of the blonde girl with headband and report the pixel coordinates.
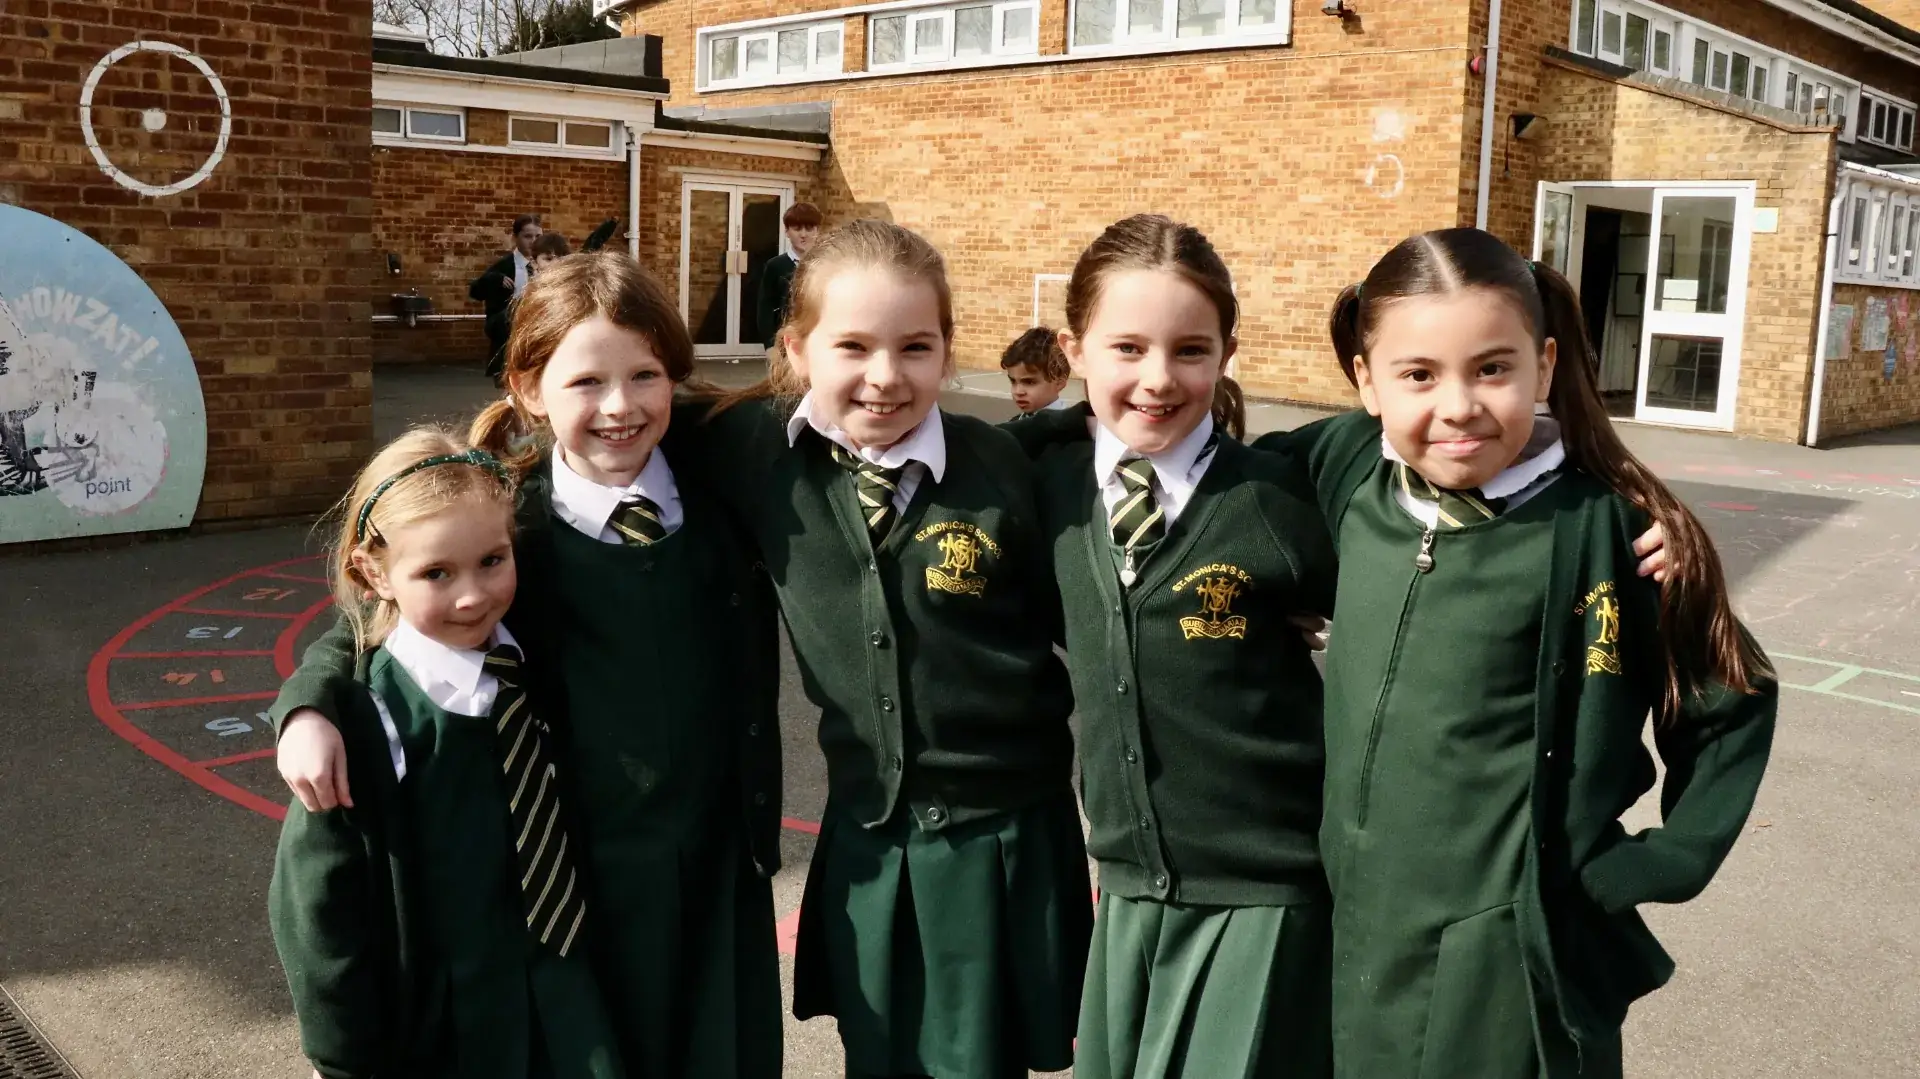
(439, 927)
(653, 636)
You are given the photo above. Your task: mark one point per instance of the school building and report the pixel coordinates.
(216, 216)
(1684, 161)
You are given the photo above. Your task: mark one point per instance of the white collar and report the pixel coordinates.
(926, 443)
(1173, 467)
(1543, 453)
(589, 506)
(428, 660)
(520, 260)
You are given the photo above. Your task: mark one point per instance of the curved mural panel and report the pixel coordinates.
(102, 426)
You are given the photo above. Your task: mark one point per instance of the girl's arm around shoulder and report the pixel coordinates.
(333, 940)
(1334, 453)
(1715, 751)
(323, 679)
(1037, 432)
(1292, 515)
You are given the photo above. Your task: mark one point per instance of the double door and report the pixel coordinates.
(1674, 301)
(728, 233)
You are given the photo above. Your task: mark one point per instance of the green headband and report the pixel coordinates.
(476, 458)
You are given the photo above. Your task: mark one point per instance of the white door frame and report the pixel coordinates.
(736, 256)
(1729, 326)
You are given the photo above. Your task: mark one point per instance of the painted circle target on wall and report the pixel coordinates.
(152, 119)
(189, 682)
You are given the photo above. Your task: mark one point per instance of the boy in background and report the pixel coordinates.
(1037, 370)
(802, 222)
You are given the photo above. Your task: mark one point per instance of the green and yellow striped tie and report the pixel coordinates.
(550, 889)
(1458, 509)
(637, 519)
(1137, 520)
(876, 487)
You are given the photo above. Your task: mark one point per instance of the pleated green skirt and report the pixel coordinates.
(1184, 992)
(956, 954)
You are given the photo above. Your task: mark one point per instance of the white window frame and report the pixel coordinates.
(1786, 76)
(406, 123)
(814, 70)
(561, 124)
(1876, 202)
(1126, 41)
(943, 16)
(407, 133)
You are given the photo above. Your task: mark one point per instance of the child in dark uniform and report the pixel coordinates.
(438, 928)
(1492, 668)
(1183, 557)
(628, 564)
(947, 909)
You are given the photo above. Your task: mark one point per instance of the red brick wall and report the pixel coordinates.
(263, 265)
(446, 214)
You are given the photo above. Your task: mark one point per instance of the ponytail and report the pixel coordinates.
(510, 433)
(1704, 641)
(1343, 325)
(1230, 408)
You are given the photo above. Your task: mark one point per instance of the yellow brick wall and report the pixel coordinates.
(1904, 12)
(1858, 395)
(1012, 171)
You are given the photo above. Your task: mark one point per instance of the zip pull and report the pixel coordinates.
(1424, 560)
(1127, 575)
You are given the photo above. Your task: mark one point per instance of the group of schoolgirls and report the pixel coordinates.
(555, 856)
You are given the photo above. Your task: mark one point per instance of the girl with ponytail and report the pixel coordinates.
(1495, 664)
(652, 646)
(1182, 556)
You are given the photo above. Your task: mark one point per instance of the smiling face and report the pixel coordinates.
(608, 398)
(450, 573)
(1454, 379)
(1151, 355)
(876, 357)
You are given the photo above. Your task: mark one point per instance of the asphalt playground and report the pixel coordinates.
(139, 803)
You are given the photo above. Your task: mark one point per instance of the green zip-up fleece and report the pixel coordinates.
(1200, 744)
(1599, 669)
(399, 921)
(931, 658)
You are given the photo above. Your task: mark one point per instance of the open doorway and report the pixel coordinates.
(1663, 305)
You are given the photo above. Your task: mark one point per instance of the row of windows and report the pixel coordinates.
(1648, 38)
(1880, 229)
(968, 34)
(450, 125)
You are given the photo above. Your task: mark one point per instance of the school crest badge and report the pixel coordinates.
(1601, 610)
(962, 547)
(1217, 587)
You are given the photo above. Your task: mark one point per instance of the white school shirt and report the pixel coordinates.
(520, 264)
(1176, 470)
(1057, 404)
(453, 678)
(1531, 473)
(922, 453)
(589, 506)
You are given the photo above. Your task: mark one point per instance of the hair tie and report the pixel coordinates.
(478, 458)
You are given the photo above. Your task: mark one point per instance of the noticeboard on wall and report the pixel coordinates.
(102, 425)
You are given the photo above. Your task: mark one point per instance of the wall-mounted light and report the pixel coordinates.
(1527, 126)
(1339, 9)
(393, 264)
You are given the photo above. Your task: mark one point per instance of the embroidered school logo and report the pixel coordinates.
(1216, 586)
(961, 546)
(1603, 647)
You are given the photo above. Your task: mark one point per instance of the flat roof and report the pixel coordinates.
(397, 55)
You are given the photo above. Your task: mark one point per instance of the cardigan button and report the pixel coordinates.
(936, 814)
(1131, 756)
(873, 565)
(734, 599)
(878, 638)
(753, 730)
(1121, 688)
(1159, 882)
(760, 798)
(1559, 667)
(893, 762)
(886, 704)
(1145, 824)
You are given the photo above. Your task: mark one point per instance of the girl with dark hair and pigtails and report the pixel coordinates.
(1183, 557)
(651, 653)
(1493, 666)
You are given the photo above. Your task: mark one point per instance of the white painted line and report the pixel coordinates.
(149, 119)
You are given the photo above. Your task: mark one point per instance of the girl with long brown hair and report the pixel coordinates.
(946, 914)
(1491, 673)
(656, 635)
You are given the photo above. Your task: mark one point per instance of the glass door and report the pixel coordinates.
(1690, 348)
(1557, 231)
(728, 232)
